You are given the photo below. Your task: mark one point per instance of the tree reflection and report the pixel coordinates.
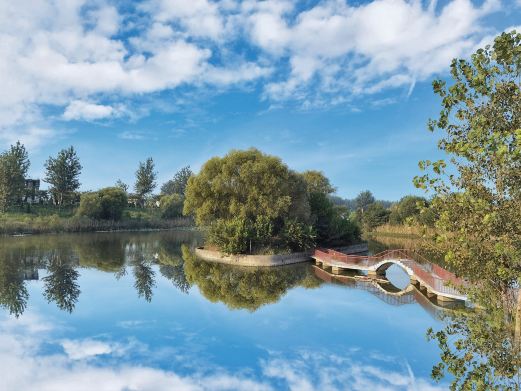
(481, 349)
(13, 292)
(61, 284)
(171, 265)
(62, 255)
(144, 276)
(245, 287)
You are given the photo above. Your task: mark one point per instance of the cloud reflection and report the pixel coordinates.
(27, 363)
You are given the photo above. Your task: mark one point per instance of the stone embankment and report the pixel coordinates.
(267, 260)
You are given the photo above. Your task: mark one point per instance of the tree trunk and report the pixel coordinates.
(517, 331)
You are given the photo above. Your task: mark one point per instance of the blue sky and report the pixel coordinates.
(339, 86)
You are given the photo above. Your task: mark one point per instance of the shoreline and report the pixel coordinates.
(137, 230)
(74, 225)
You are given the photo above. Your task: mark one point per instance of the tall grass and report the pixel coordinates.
(403, 230)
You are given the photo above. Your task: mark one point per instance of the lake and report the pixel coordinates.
(137, 311)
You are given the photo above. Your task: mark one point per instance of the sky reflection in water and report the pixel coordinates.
(147, 320)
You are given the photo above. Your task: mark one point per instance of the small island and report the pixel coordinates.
(256, 211)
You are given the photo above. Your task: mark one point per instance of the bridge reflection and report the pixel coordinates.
(383, 289)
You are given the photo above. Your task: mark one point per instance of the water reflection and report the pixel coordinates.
(245, 287)
(478, 347)
(59, 259)
(482, 349)
(60, 284)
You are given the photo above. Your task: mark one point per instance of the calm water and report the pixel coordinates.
(134, 311)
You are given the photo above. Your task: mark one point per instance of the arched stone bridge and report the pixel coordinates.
(424, 274)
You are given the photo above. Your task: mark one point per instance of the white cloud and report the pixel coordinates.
(88, 348)
(198, 17)
(71, 54)
(85, 110)
(337, 49)
(67, 53)
(131, 135)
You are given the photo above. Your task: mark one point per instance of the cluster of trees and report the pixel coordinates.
(371, 213)
(109, 203)
(251, 202)
(62, 173)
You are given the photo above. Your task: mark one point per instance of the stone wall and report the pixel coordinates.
(267, 260)
(252, 260)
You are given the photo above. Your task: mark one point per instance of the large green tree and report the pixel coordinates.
(14, 164)
(145, 179)
(317, 182)
(478, 193)
(375, 215)
(249, 195)
(62, 174)
(177, 185)
(244, 184)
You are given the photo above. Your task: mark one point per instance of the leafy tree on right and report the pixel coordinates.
(478, 201)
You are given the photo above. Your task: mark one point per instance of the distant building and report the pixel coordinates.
(32, 191)
(134, 200)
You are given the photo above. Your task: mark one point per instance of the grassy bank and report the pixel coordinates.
(52, 220)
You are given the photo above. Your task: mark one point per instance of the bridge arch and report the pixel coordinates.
(382, 266)
(390, 289)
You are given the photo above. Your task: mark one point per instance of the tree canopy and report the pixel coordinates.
(145, 179)
(62, 174)
(253, 202)
(106, 204)
(14, 164)
(331, 222)
(247, 199)
(408, 208)
(243, 184)
(317, 182)
(375, 214)
(177, 185)
(363, 200)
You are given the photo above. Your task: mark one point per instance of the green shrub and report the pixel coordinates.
(105, 204)
(90, 205)
(298, 236)
(171, 206)
(375, 215)
(408, 209)
(232, 236)
(343, 230)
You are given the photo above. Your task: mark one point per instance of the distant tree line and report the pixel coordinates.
(62, 173)
(371, 213)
